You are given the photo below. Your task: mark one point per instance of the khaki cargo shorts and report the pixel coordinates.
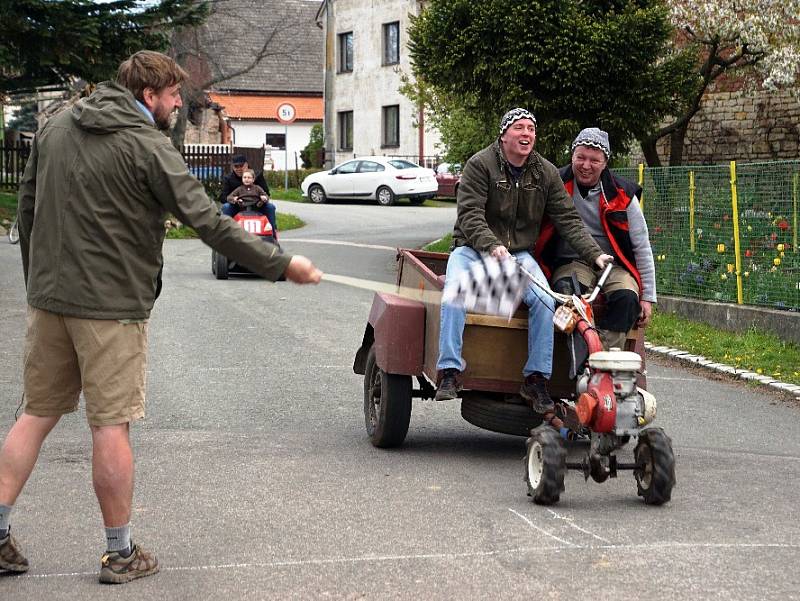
(618, 279)
(105, 358)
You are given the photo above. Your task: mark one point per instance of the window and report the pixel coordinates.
(391, 43)
(347, 167)
(391, 126)
(401, 164)
(346, 52)
(276, 141)
(346, 130)
(370, 167)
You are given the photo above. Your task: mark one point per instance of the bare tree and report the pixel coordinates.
(236, 40)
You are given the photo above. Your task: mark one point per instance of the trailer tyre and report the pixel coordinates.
(545, 465)
(499, 416)
(387, 404)
(655, 471)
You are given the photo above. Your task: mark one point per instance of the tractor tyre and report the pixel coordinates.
(387, 404)
(655, 466)
(545, 465)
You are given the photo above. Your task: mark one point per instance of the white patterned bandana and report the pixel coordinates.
(594, 137)
(515, 115)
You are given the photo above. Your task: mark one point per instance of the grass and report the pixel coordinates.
(8, 205)
(286, 221)
(755, 351)
(442, 245)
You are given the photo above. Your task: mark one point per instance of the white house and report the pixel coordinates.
(365, 56)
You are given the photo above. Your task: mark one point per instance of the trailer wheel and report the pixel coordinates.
(655, 471)
(387, 404)
(499, 416)
(545, 465)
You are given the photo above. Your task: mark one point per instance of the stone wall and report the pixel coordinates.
(742, 126)
(208, 131)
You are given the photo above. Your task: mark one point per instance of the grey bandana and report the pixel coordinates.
(594, 137)
(515, 115)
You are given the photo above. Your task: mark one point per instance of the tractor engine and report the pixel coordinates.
(609, 400)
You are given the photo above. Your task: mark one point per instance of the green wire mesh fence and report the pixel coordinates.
(725, 232)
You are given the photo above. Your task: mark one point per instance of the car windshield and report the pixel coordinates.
(399, 164)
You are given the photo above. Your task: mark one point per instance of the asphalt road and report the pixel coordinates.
(255, 479)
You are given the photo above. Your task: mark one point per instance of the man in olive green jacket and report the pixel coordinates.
(505, 191)
(96, 189)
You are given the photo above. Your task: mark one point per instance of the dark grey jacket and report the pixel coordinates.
(92, 203)
(493, 210)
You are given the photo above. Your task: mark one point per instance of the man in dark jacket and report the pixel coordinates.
(609, 206)
(506, 190)
(96, 189)
(233, 180)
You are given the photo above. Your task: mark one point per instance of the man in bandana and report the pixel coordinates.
(609, 206)
(506, 190)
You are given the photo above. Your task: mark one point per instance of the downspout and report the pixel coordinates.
(329, 124)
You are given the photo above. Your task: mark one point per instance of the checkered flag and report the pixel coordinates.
(491, 286)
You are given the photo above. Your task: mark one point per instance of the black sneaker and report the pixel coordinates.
(449, 386)
(534, 391)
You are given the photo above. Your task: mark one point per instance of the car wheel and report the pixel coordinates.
(317, 194)
(385, 196)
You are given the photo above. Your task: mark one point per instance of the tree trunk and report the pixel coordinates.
(676, 142)
(178, 133)
(650, 153)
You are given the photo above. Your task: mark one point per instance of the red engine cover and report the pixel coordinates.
(601, 387)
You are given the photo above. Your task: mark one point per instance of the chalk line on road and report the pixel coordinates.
(339, 243)
(542, 530)
(442, 556)
(572, 523)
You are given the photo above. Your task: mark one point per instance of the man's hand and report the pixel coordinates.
(645, 314)
(236, 200)
(302, 271)
(500, 252)
(603, 260)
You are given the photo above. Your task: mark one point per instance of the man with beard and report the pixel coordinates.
(233, 180)
(506, 190)
(97, 187)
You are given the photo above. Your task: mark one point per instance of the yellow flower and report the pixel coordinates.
(746, 274)
(759, 371)
(720, 248)
(783, 254)
(730, 267)
(776, 261)
(780, 247)
(723, 276)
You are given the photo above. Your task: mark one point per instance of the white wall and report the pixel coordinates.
(252, 133)
(371, 85)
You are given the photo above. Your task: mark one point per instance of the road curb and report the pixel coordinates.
(742, 374)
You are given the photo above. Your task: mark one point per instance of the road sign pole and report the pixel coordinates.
(286, 157)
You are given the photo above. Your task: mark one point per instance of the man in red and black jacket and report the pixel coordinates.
(609, 207)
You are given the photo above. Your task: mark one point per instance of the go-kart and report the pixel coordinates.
(252, 221)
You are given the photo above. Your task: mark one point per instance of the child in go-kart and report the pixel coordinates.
(247, 192)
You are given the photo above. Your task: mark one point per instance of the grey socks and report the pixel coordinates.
(119, 539)
(5, 515)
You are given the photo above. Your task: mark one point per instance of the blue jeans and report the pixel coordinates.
(268, 209)
(540, 317)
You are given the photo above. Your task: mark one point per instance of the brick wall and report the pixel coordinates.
(208, 132)
(743, 126)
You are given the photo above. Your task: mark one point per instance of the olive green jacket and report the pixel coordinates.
(92, 203)
(494, 211)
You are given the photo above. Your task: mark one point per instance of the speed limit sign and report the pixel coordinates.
(286, 113)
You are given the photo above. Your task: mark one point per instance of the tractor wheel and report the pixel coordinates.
(655, 471)
(545, 465)
(219, 265)
(387, 404)
(498, 416)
